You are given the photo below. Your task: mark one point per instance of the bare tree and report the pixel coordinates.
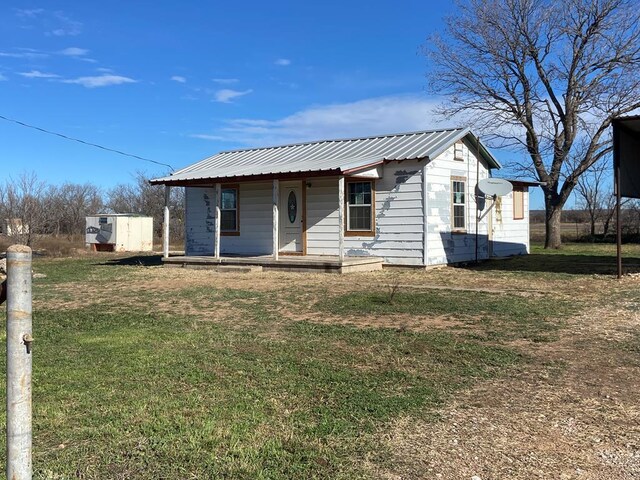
(143, 198)
(594, 194)
(631, 218)
(547, 77)
(21, 206)
(77, 201)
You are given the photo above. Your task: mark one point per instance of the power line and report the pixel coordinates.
(85, 143)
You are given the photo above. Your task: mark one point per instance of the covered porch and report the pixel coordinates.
(293, 263)
(285, 223)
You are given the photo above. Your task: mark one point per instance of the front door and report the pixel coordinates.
(291, 218)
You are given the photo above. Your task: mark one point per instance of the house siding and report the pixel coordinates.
(444, 246)
(398, 217)
(199, 220)
(256, 233)
(510, 237)
(255, 221)
(322, 216)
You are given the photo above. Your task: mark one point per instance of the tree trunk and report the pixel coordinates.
(553, 230)
(605, 227)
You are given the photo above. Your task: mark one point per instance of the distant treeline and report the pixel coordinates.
(600, 223)
(33, 207)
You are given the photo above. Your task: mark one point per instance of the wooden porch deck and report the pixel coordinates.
(306, 263)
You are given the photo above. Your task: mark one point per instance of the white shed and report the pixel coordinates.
(14, 226)
(121, 232)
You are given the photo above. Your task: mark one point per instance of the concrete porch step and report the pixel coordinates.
(316, 263)
(217, 267)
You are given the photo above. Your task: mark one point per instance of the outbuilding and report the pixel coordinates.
(119, 232)
(406, 199)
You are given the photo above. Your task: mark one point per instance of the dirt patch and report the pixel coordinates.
(580, 421)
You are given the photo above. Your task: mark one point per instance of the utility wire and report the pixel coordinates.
(85, 143)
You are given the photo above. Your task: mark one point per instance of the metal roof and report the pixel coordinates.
(329, 156)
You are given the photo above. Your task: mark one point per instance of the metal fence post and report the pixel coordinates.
(19, 338)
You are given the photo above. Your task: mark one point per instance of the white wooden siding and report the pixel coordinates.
(510, 237)
(199, 220)
(255, 221)
(256, 217)
(322, 216)
(443, 246)
(398, 211)
(399, 219)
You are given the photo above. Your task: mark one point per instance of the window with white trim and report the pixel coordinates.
(229, 210)
(458, 205)
(359, 207)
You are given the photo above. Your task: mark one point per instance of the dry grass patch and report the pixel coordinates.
(148, 372)
(578, 421)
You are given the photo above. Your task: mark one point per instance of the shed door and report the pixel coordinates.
(291, 209)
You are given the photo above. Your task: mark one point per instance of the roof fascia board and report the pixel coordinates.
(204, 182)
(492, 161)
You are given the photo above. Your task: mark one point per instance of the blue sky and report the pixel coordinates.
(178, 81)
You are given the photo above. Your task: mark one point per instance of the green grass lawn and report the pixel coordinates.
(126, 386)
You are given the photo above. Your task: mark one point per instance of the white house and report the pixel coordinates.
(403, 199)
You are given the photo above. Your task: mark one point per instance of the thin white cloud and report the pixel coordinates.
(3, 78)
(38, 74)
(365, 117)
(28, 12)
(74, 52)
(100, 81)
(179, 79)
(53, 23)
(104, 70)
(225, 81)
(24, 53)
(226, 95)
(282, 62)
(66, 26)
(205, 136)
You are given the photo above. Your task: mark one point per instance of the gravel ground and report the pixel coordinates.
(579, 419)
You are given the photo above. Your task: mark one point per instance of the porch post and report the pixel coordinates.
(216, 238)
(165, 225)
(425, 216)
(276, 218)
(341, 218)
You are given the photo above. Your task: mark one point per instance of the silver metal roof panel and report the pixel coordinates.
(326, 155)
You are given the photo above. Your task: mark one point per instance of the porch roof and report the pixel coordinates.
(324, 157)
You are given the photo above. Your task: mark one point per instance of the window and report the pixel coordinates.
(229, 224)
(518, 203)
(459, 205)
(458, 151)
(360, 201)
